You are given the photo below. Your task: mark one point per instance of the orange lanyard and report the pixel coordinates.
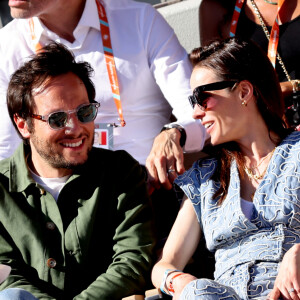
(110, 61)
(37, 45)
(235, 16)
(108, 54)
(274, 36)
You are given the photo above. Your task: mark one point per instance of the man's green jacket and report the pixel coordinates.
(95, 242)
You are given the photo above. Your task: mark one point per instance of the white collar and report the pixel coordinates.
(88, 19)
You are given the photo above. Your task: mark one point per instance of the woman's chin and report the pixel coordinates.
(215, 141)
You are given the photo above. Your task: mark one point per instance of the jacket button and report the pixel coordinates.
(51, 263)
(50, 225)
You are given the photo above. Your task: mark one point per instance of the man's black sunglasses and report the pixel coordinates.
(199, 95)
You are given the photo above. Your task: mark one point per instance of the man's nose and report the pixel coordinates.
(72, 124)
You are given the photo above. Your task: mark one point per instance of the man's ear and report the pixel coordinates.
(245, 91)
(22, 126)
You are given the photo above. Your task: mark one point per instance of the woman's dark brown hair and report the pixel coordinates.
(233, 59)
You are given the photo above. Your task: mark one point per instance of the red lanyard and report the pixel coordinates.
(274, 36)
(108, 54)
(235, 16)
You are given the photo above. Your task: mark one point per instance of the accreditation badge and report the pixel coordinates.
(103, 136)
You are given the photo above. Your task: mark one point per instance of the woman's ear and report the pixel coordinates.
(22, 126)
(245, 91)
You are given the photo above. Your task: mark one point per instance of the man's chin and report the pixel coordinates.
(19, 14)
(69, 164)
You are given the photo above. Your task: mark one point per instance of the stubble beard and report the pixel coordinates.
(54, 159)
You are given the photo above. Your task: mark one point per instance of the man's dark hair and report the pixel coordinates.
(51, 61)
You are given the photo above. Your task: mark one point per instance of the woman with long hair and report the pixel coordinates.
(245, 198)
(254, 20)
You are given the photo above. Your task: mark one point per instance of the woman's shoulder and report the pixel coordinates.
(204, 165)
(289, 147)
(291, 140)
(201, 171)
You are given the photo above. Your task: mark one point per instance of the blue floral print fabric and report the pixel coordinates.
(247, 251)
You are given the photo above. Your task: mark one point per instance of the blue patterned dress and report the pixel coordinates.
(247, 252)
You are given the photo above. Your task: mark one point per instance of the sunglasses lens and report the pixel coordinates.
(87, 113)
(199, 98)
(58, 120)
(193, 101)
(202, 98)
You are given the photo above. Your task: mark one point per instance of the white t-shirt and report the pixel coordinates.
(247, 207)
(151, 64)
(51, 185)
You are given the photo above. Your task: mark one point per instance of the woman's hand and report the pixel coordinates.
(180, 282)
(288, 276)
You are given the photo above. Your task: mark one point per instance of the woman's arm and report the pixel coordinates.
(211, 17)
(287, 87)
(179, 248)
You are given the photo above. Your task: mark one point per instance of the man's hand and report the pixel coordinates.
(165, 160)
(287, 283)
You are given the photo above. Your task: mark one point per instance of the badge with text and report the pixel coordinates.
(103, 136)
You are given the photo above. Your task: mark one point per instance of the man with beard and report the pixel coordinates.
(150, 79)
(74, 220)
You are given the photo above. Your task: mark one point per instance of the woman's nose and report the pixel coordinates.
(198, 112)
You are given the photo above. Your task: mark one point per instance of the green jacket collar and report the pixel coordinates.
(18, 173)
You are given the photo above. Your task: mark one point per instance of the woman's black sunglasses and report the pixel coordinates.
(57, 120)
(199, 95)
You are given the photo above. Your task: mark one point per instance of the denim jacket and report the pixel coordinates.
(242, 244)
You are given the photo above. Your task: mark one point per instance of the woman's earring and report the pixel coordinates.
(244, 103)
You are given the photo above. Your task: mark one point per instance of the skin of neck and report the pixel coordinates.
(45, 170)
(257, 142)
(72, 12)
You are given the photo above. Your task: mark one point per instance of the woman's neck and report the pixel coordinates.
(257, 149)
(289, 11)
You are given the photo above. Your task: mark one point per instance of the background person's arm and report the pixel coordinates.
(9, 139)
(171, 68)
(211, 21)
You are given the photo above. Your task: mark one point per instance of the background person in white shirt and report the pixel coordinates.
(151, 67)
